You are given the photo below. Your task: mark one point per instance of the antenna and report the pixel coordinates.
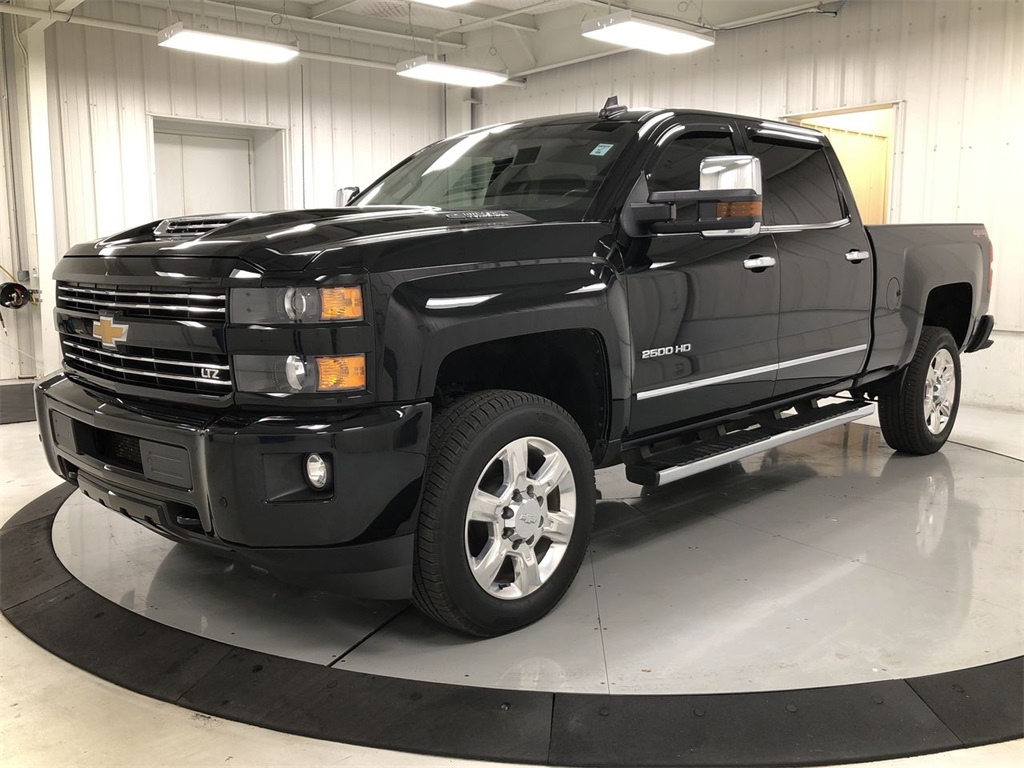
(611, 108)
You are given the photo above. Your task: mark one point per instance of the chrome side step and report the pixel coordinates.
(739, 445)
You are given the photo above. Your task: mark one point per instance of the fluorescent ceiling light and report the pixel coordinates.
(177, 36)
(422, 68)
(625, 29)
(442, 3)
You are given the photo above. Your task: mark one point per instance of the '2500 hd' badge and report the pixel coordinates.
(107, 331)
(678, 349)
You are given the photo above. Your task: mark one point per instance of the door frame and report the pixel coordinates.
(273, 162)
(207, 135)
(896, 150)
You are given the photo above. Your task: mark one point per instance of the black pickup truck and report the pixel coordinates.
(408, 396)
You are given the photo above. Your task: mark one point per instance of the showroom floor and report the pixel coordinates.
(945, 551)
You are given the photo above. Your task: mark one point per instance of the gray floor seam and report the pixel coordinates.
(177, 699)
(938, 717)
(41, 595)
(600, 622)
(367, 637)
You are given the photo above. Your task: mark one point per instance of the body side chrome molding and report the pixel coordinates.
(688, 385)
(822, 356)
(782, 228)
(777, 229)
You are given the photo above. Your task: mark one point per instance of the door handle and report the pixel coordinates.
(855, 257)
(759, 263)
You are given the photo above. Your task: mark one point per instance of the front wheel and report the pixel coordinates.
(917, 410)
(507, 509)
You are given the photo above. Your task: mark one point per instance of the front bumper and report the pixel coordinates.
(234, 483)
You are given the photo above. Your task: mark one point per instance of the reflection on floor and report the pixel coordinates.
(760, 576)
(825, 562)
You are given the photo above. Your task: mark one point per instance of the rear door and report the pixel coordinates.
(703, 321)
(824, 258)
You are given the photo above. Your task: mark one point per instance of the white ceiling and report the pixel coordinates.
(516, 36)
(714, 13)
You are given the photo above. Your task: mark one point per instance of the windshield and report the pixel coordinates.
(548, 172)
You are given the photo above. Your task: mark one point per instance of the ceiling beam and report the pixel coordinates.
(228, 12)
(153, 32)
(66, 6)
(498, 19)
(393, 30)
(483, 14)
(328, 7)
(68, 18)
(488, 14)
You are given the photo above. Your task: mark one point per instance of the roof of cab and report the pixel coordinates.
(641, 116)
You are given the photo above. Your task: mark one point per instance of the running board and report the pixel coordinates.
(690, 460)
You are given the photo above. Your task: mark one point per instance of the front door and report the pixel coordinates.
(703, 318)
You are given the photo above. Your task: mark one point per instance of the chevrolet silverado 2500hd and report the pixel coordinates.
(407, 396)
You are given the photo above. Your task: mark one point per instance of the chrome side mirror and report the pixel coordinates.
(344, 196)
(728, 203)
(733, 174)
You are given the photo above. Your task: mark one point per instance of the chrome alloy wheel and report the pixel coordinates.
(939, 391)
(520, 518)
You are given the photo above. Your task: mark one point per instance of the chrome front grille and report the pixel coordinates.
(144, 302)
(86, 310)
(199, 372)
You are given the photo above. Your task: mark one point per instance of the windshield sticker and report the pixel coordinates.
(601, 150)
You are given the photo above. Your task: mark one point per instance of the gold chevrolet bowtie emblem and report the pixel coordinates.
(107, 331)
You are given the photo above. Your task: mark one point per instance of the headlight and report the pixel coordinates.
(295, 374)
(296, 304)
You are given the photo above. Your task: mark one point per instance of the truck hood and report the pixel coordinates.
(290, 241)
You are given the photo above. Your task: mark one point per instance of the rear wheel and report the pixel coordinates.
(918, 409)
(507, 509)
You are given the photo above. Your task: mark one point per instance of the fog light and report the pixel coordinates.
(316, 471)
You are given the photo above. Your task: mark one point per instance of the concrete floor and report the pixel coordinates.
(54, 714)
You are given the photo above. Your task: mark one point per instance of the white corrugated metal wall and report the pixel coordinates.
(345, 125)
(956, 67)
(9, 368)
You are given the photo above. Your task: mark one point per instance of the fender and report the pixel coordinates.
(917, 269)
(430, 317)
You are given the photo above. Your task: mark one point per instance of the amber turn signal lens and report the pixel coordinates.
(336, 374)
(341, 303)
(730, 210)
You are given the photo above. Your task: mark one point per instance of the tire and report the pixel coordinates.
(918, 408)
(504, 561)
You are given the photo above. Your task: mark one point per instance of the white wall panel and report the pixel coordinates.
(344, 125)
(956, 66)
(10, 340)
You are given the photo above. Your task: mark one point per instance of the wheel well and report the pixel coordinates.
(949, 306)
(568, 367)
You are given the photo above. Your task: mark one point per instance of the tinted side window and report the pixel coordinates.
(798, 184)
(678, 167)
